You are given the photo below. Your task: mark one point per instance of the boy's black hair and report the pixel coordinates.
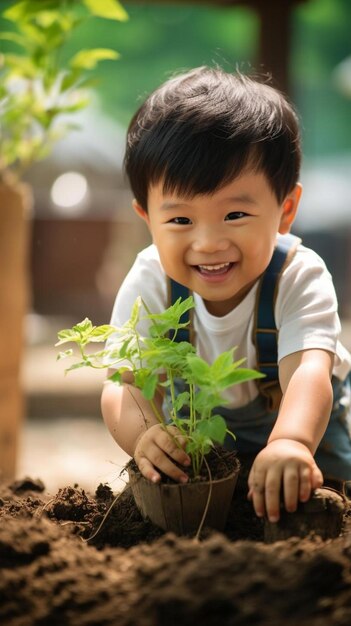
(200, 130)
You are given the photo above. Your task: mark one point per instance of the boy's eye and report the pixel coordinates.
(235, 215)
(180, 220)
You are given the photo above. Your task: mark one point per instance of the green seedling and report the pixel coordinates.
(193, 410)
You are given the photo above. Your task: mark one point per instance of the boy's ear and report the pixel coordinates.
(141, 212)
(290, 206)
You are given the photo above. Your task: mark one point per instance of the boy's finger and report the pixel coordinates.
(257, 491)
(158, 459)
(258, 500)
(291, 485)
(305, 484)
(147, 469)
(172, 447)
(177, 436)
(317, 477)
(272, 494)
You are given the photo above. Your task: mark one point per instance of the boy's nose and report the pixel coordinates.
(209, 240)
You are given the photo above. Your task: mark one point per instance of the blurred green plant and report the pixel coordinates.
(36, 87)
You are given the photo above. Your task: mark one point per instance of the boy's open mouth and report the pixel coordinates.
(215, 269)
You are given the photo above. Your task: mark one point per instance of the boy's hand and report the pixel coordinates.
(284, 464)
(156, 447)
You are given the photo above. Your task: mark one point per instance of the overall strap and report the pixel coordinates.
(176, 291)
(265, 333)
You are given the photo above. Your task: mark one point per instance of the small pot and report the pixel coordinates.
(179, 508)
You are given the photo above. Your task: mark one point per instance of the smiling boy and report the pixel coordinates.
(213, 160)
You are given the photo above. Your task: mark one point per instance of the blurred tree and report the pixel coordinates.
(321, 42)
(36, 86)
(160, 39)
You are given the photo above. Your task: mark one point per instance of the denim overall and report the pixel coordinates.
(253, 423)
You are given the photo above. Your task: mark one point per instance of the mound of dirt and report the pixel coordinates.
(59, 565)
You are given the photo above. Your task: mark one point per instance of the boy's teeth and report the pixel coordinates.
(210, 268)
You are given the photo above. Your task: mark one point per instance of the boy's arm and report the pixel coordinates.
(135, 427)
(287, 460)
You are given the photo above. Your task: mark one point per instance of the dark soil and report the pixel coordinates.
(220, 463)
(132, 574)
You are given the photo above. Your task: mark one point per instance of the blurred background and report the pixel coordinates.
(84, 235)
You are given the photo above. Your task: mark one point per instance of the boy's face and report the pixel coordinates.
(218, 245)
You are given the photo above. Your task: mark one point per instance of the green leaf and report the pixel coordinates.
(115, 377)
(20, 66)
(118, 374)
(83, 327)
(213, 429)
(88, 59)
(123, 351)
(67, 335)
(231, 434)
(109, 9)
(241, 375)
(135, 314)
(15, 37)
(45, 19)
(206, 399)
(79, 104)
(84, 332)
(139, 377)
(103, 330)
(33, 35)
(181, 400)
(63, 355)
(70, 79)
(120, 350)
(200, 370)
(180, 422)
(199, 444)
(16, 12)
(149, 387)
(223, 362)
(28, 8)
(101, 333)
(76, 366)
(218, 428)
(170, 318)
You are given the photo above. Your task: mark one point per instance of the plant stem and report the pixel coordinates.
(171, 380)
(192, 408)
(196, 538)
(157, 413)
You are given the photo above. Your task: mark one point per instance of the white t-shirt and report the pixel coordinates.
(305, 315)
